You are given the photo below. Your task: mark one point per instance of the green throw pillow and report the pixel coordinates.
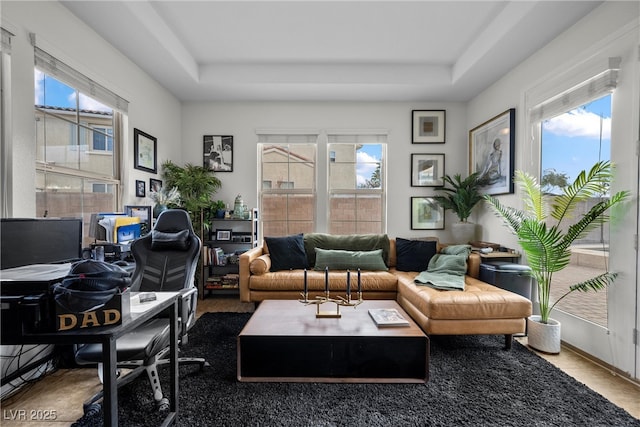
(337, 259)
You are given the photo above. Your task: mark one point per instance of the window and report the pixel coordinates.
(288, 174)
(573, 128)
(353, 167)
(77, 139)
(356, 185)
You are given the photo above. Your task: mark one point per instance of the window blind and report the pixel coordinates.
(592, 88)
(287, 137)
(58, 69)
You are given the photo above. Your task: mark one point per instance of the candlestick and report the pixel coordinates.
(305, 283)
(326, 280)
(348, 285)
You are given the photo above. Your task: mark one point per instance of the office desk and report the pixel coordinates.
(107, 336)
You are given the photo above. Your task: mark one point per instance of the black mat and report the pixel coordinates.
(474, 382)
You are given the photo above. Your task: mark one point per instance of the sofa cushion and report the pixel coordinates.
(414, 255)
(287, 252)
(260, 265)
(349, 242)
(336, 259)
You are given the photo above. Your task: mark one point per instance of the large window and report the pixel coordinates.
(288, 177)
(350, 169)
(77, 142)
(356, 184)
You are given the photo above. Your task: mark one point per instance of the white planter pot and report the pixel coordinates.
(543, 336)
(463, 232)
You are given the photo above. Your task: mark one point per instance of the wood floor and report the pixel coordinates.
(64, 390)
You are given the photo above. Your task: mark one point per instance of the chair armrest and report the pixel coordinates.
(245, 261)
(473, 265)
(187, 311)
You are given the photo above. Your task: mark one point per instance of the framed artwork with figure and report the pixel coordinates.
(218, 153)
(491, 153)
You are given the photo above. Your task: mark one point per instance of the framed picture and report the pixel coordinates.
(142, 212)
(426, 214)
(427, 170)
(428, 126)
(145, 155)
(155, 185)
(140, 188)
(223, 234)
(491, 153)
(218, 153)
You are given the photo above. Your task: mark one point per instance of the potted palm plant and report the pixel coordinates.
(461, 197)
(547, 244)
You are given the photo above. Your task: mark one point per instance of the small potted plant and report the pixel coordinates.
(218, 208)
(546, 242)
(461, 196)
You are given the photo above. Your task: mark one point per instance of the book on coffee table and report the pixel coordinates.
(387, 317)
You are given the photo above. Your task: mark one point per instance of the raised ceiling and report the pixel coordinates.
(328, 50)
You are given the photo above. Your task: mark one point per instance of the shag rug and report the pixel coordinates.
(473, 382)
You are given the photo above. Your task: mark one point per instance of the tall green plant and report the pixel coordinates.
(461, 195)
(547, 246)
(196, 185)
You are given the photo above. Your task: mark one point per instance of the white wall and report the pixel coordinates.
(241, 120)
(152, 108)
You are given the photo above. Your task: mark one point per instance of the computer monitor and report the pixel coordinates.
(26, 241)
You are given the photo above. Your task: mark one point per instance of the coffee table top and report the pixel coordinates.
(291, 318)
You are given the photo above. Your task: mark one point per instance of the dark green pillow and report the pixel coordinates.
(337, 259)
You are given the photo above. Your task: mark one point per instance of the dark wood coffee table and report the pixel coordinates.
(284, 342)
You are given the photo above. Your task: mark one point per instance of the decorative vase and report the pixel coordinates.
(220, 213)
(463, 232)
(543, 336)
(158, 209)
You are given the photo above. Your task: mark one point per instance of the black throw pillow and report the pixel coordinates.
(414, 255)
(286, 253)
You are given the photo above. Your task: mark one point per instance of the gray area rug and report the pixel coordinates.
(473, 382)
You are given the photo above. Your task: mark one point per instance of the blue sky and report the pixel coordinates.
(53, 93)
(571, 142)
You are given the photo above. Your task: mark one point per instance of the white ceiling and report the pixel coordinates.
(328, 50)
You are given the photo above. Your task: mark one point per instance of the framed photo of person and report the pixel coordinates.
(140, 188)
(155, 185)
(218, 153)
(491, 153)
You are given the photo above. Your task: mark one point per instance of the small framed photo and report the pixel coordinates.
(155, 185)
(428, 126)
(140, 188)
(218, 153)
(223, 234)
(491, 153)
(427, 170)
(145, 155)
(426, 214)
(142, 212)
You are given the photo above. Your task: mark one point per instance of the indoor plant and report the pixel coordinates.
(461, 197)
(547, 244)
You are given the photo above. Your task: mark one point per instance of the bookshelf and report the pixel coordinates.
(227, 239)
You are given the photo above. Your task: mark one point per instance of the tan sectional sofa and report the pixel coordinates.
(480, 309)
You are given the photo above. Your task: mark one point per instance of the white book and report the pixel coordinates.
(387, 317)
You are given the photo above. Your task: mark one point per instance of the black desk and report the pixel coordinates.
(107, 336)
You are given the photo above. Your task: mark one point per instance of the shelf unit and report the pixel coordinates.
(228, 238)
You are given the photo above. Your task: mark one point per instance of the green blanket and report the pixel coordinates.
(446, 269)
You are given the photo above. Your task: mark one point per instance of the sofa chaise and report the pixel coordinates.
(388, 267)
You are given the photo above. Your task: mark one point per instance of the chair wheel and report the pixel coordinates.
(163, 404)
(92, 409)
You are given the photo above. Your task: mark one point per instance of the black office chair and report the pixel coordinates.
(166, 260)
